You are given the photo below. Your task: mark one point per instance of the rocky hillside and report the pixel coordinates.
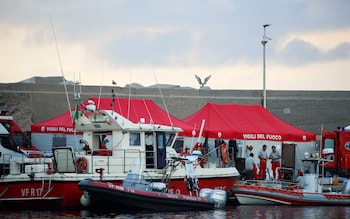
(19, 106)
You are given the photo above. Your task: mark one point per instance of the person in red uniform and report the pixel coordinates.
(275, 157)
(262, 155)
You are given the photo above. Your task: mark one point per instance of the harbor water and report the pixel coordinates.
(244, 212)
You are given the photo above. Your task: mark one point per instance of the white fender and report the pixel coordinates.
(85, 200)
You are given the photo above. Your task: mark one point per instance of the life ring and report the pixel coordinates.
(82, 164)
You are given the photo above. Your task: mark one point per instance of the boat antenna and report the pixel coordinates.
(149, 113)
(99, 95)
(166, 108)
(77, 91)
(113, 99)
(63, 78)
(79, 84)
(60, 63)
(129, 101)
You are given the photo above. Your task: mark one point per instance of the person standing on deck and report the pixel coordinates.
(262, 155)
(248, 173)
(275, 157)
(218, 144)
(233, 151)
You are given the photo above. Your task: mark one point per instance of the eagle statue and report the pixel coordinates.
(202, 83)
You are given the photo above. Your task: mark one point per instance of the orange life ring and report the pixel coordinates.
(82, 164)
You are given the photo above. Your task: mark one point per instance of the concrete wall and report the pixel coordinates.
(308, 110)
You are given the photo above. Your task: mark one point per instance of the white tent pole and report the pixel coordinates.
(201, 131)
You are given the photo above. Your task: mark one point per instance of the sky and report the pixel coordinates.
(170, 41)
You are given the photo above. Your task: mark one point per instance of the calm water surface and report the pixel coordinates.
(245, 212)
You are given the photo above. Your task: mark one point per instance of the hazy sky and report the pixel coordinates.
(168, 41)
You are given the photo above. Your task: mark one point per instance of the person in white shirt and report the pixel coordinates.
(275, 157)
(248, 173)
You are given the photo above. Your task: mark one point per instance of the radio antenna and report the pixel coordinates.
(60, 63)
(99, 95)
(166, 108)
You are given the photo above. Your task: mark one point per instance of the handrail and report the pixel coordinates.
(4, 168)
(124, 157)
(284, 168)
(218, 148)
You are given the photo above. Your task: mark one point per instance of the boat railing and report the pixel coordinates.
(6, 162)
(268, 183)
(284, 171)
(25, 164)
(129, 156)
(216, 153)
(118, 159)
(28, 165)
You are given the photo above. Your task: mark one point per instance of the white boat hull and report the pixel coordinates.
(258, 200)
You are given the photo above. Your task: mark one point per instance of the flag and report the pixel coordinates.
(76, 114)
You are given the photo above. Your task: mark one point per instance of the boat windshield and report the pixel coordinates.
(170, 139)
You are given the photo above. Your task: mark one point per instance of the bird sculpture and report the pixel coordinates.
(265, 38)
(202, 84)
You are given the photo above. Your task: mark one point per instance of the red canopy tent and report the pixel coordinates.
(245, 122)
(133, 109)
(61, 124)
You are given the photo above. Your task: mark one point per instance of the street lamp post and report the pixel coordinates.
(263, 42)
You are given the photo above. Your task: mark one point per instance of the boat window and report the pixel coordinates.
(59, 140)
(169, 139)
(98, 117)
(134, 138)
(329, 143)
(7, 142)
(347, 145)
(19, 138)
(179, 145)
(160, 140)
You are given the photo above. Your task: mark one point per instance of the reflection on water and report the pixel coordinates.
(268, 212)
(246, 212)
